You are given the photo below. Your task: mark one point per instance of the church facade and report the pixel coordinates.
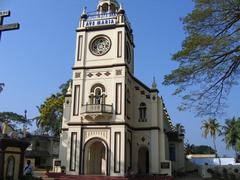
(113, 124)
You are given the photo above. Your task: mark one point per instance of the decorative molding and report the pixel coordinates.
(77, 75)
(73, 149)
(117, 152)
(98, 74)
(90, 75)
(114, 124)
(119, 72)
(107, 73)
(93, 133)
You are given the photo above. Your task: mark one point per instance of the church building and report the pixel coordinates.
(113, 124)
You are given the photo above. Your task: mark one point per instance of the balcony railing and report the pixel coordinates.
(107, 15)
(97, 108)
(96, 16)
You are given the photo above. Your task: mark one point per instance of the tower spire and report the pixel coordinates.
(154, 84)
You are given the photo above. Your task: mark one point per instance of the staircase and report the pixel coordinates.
(69, 177)
(57, 176)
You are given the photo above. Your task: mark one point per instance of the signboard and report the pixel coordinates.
(4, 13)
(8, 27)
(100, 22)
(165, 165)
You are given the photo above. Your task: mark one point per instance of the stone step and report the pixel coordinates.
(68, 177)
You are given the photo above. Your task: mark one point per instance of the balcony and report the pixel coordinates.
(97, 111)
(96, 19)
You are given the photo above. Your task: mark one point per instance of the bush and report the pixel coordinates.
(225, 173)
(232, 176)
(210, 171)
(236, 171)
(214, 173)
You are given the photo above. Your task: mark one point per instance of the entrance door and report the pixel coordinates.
(143, 160)
(95, 158)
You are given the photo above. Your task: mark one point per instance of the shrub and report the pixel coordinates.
(236, 171)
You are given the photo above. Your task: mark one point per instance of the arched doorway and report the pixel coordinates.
(143, 160)
(96, 158)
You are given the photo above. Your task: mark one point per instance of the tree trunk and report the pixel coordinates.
(215, 148)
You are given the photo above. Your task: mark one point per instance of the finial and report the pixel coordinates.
(121, 10)
(84, 10)
(69, 91)
(154, 84)
(84, 13)
(121, 6)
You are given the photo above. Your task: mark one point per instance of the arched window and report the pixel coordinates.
(97, 95)
(10, 167)
(142, 112)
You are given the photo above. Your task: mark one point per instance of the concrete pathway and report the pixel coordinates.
(189, 177)
(42, 174)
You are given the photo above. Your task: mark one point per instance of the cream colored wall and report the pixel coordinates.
(137, 144)
(88, 59)
(78, 131)
(64, 143)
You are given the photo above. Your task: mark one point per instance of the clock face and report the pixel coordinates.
(100, 45)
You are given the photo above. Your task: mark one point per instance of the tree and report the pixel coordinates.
(231, 133)
(188, 148)
(211, 127)
(210, 57)
(51, 112)
(12, 119)
(180, 128)
(201, 149)
(1, 87)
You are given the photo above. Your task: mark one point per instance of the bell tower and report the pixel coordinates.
(95, 105)
(105, 37)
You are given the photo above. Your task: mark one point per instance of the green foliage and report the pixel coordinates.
(211, 127)
(201, 149)
(1, 87)
(180, 128)
(12, 119)
(210, 56)
(51, 112)
(231, 133)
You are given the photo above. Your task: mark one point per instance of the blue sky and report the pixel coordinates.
(37, 59)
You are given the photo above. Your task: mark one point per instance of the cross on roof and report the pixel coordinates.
(6, 27)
